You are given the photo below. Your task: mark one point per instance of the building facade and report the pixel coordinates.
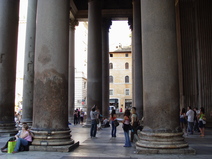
(81, 66)
(120, 65)
(80, 91)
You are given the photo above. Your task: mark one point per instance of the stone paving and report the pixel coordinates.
(105, 147)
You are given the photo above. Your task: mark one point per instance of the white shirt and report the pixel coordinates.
(190, 115)
(93, 115)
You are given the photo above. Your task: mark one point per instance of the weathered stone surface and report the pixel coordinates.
(50, 98)
(161, 132)
(94, 67)
(9, 11)
(27, 108)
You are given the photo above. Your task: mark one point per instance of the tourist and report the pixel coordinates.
(106, 123)
(76, 117)
(196, 123)
(23, 138)
(94, 120)
(82, 113)
(134, 122)
(112, 119)
(202, 121)
(183, 121)
(126, 128)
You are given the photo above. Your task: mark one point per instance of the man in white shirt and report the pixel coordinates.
(94, 116)
(190, 115)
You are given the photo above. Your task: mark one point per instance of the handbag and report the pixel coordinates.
(11, 146)
(127, 127)
(116, 123)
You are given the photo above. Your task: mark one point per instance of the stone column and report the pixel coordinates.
(161, 132)
(50, 99)
(137, 60)
(130, 23)
(71, 80)
(106, 23)
(27, 108)
(9, 15)
(94, 78)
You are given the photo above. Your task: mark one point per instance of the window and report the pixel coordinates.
(111, 92)
(126, 55)
(111, 79)
(127, 80)
(127, 91)
(111, 55)
(111, 65)
(126, 65)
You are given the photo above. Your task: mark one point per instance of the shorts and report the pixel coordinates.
(201, 125)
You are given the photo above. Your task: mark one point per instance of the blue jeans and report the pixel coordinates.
(93, 128)
(127, 139)
(190, 127)
(20, 142)
(113, 132)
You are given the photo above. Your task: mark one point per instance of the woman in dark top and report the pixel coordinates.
(126, 128)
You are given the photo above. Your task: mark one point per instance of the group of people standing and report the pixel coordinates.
(130, 123)
(79, 116)
(193, 120)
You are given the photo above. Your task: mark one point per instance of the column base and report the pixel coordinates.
(63, 148)
(162, 143)
(188, 150)
(52, 138)
(8, 129)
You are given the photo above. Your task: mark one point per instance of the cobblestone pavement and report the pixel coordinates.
(105, 147)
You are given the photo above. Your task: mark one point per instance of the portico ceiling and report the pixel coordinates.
(114, 9)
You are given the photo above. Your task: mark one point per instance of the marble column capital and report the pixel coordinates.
(73, 23)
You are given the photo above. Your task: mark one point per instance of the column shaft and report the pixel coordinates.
(106, 23)
(71, 80)
(160, 68)
(27, 109)
(9, 15)
(94, 78)
(50, 102)
(137, 59)
(161, 132)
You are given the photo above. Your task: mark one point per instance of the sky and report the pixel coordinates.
(119, 33)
